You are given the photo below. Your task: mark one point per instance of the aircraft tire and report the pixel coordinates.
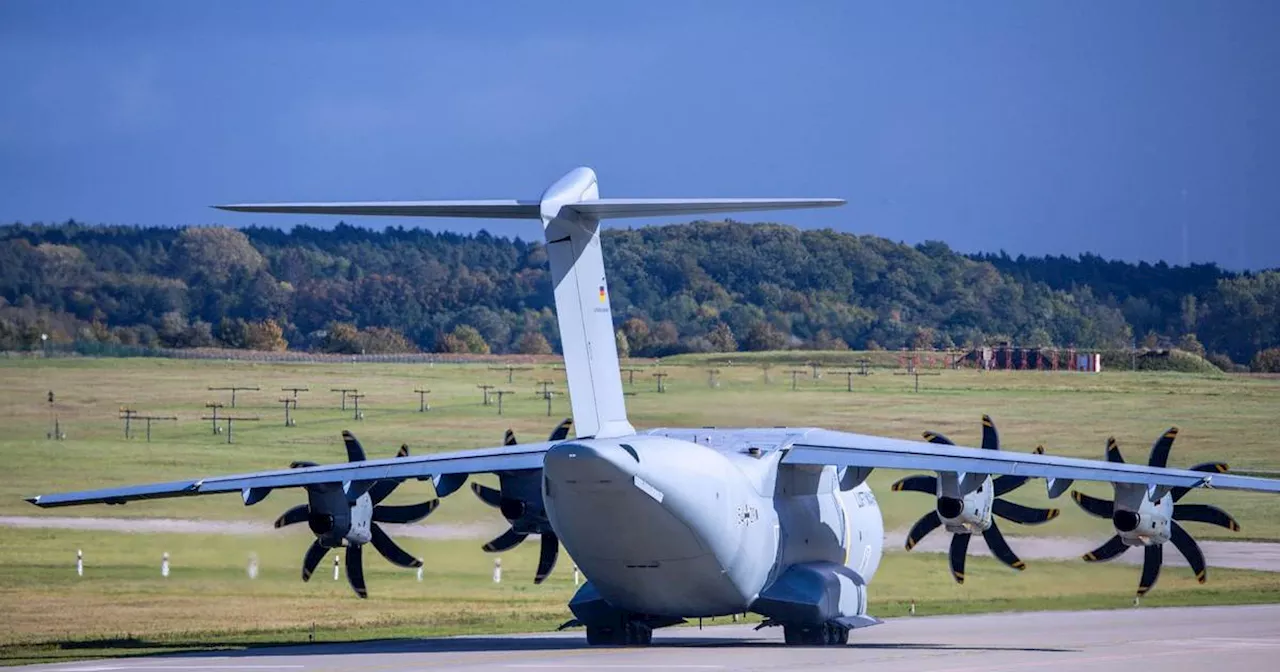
(638, 634)
(598, 636)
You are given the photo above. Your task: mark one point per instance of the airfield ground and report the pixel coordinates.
(1172, 640)
(123, 606)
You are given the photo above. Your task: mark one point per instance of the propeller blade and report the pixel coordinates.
(404, 514)
(1025, 515)
(1150, 568)
(547, 556)
(302, 463)
(925, 525)
(355, 570)
(1190, 550)
(990, 437)
(1114, 546)
(1207, 467)
(561, 432)
(507, 540)
(1101, 508)
(1000, 548)
(1113, 451)
(509, 438)
(925, 484)
(1006, 484)
(355, 451)
(382, 489)
(391, 550)
(1205, 513)
(312, 559)
(1160, 449)
(297, 514)
(487, 495)
(934, 437)
(404, 450)
(959, 547)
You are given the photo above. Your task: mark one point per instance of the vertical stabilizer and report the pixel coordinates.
(570, 211)
(582, 308)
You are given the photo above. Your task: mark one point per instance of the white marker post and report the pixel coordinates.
(253, 566)
(164, 565)
(419, 571)
(497, 570)
(335, 568)
(79, 562)
(575, 574)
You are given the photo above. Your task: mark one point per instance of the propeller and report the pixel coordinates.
(349, 515)
(972, 511)
(519, 498)
(1147, 525)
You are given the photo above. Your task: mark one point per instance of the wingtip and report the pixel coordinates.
(34, 500)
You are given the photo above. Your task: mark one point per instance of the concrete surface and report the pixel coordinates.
(1169, 640)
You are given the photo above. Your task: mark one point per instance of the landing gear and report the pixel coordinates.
(632, 633)
(827, 634)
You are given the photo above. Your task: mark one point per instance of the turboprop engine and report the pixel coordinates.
(347, 515)
(966, 502)
(519, 499)
(1147, 517)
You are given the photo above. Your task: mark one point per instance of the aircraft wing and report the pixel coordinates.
(824, 447)
(254, 486)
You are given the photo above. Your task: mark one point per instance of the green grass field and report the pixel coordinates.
(123, 606)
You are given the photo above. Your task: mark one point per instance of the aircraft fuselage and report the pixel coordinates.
(668, 523)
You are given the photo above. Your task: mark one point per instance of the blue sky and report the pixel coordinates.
(1034, 127)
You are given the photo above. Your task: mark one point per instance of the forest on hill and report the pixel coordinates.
(706, 286)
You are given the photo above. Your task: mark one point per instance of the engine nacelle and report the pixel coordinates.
(335, 520)
(968, 513)
(521, 502)
(1149, 525)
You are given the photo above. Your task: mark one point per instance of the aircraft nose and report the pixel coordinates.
(594, 463)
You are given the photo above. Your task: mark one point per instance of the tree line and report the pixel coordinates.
(706, 286)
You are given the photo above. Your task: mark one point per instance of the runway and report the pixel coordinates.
(1170, 640)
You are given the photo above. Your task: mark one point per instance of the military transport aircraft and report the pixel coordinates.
(671, 524)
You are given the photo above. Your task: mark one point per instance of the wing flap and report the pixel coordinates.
(847, 449)
(525, 456)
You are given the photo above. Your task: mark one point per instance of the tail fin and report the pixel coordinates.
(570, 211)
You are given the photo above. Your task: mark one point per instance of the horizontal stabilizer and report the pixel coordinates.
(508, 209)
(604, 208)
(601, 208)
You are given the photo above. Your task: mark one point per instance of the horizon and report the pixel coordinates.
(516, 237)
(991, 127)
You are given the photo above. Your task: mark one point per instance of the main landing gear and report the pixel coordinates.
(632, 633)
(827, 634)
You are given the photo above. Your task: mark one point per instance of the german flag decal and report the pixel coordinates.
(602, 295)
